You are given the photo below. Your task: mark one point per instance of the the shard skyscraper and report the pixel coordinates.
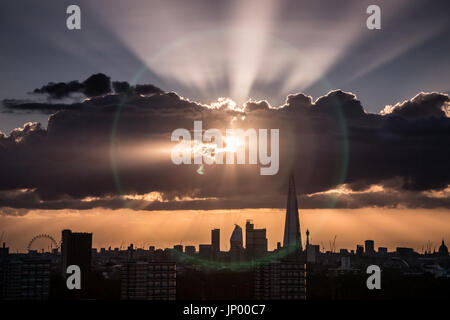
(292, 235)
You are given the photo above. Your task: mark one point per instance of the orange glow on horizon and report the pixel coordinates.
(388, 227)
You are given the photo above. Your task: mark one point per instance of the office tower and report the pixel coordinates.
(26, 279)
(4, 251)
(369, 247)
(312, 253)
(178, 248)
(215, 241)
(382, 250)
(190, 250)
(236, 244)
(280, 279)
(255, 241)
(76, 249)
(236, 238)
(205, 251)
(148, 280)
(359, 250)
(292, 235)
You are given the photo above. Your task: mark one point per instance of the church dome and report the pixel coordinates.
(443, 250)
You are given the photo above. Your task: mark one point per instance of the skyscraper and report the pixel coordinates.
(236, 244)
(215, 240)
(285, 278)
(292, 235)
(76, 249)
(236, 237)
(255, 241)
(369, 247)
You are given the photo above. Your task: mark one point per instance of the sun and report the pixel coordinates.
(232, 143)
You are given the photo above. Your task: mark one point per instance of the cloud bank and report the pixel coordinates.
(113, 150)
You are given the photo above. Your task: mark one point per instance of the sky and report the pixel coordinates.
(253, 49)
(86, 115)
(164, 229)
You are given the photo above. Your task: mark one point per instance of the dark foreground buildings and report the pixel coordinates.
(247, 271)
(76, 249)
(25, 279)
(153, 280)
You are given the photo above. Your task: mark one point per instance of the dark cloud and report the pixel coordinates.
(12, 105)
(386, 198)
(146, 89)
(256, 105)
(97, 152)
(121, 87)
(60, 90)
(96, 85)
(423, 105)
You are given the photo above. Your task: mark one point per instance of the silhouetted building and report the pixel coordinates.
(405, 252)
(215, 240)
(443, 250)
(205, 251)
(312, 253)
(285, 279)
(292, 235)
(190, 250)
(255, 241)
(359, 250)
(178, 248)
(26, 279)
(344, 268)
(4, 251)
(236, 244)
(382, 250)
(76, 249)
(215, 243)
(345, 263)
(280, 280)
(130, 252)
(148, 281)
(369, 247)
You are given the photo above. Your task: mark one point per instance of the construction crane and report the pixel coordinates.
(429, 246)
(333, 244)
